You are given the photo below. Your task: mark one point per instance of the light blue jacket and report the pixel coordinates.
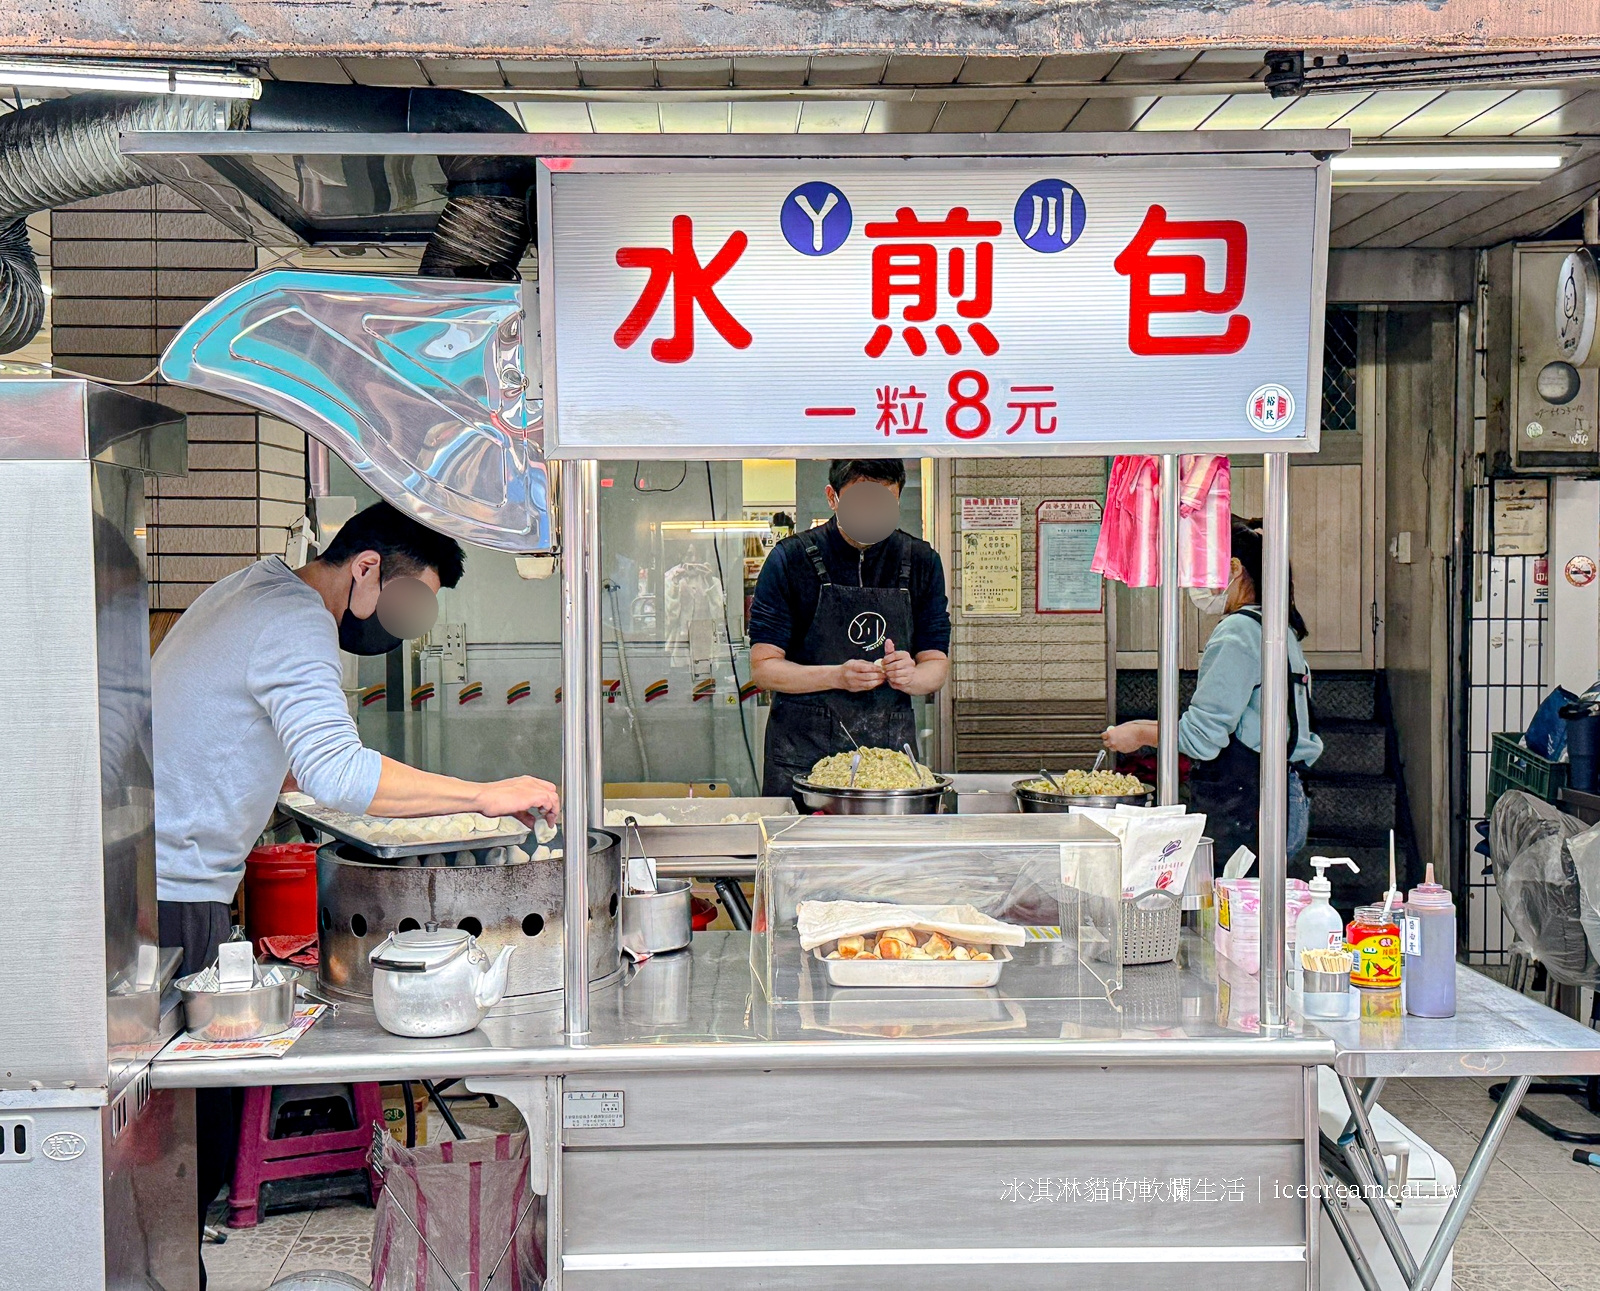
(1227, 696)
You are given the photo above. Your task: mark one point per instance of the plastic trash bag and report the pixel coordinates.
(319, 1280)
(1538, 878)
(477, 1214)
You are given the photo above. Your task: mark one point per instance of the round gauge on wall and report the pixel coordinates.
(1558, 383)
(1577, 299)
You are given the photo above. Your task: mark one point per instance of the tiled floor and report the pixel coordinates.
(334, 1234)
(1536, 1225)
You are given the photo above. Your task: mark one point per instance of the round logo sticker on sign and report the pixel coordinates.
(1270, 408)
(1580, 571)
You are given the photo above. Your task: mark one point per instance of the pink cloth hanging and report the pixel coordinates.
(1129, 548)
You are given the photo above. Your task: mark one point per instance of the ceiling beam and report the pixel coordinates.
(252, 29)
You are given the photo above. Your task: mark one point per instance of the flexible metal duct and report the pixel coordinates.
(65, 150)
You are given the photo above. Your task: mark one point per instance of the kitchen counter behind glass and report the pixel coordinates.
(1058, 877)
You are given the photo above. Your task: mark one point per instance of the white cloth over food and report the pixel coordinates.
(823, 921)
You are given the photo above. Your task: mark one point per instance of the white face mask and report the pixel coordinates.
(1209, 600)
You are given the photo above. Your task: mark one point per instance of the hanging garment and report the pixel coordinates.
(1129, 547)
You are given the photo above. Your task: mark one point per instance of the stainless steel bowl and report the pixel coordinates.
(923, 800)
(1039, 800)
(238, 1015)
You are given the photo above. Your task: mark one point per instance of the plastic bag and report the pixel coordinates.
(1539, 882)
(1547, 732)
(473, 1203)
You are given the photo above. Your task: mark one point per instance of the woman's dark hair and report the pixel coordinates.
(406, 545)
(880, 470)
(1247, 551)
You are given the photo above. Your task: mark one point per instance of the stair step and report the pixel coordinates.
(1351, 890)
(1355, 807)
(1347, 695)
(1344, 696)
(1352, 748)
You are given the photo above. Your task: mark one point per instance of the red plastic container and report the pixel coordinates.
(702, 913)
(280, 891)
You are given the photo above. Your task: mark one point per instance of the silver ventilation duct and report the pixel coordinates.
(66, 150)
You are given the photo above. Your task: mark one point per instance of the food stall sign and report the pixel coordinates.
(712, 306)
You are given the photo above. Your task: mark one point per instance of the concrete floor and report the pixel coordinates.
(1536, 1224)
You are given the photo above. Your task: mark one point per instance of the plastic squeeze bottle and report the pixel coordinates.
(1319, 926)
(1428, 937)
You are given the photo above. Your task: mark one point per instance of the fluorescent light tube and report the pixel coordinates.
(1440, 161)
(130, 78)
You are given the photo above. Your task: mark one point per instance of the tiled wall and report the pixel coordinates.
(126, 272)
(1505, 686)
(1049, 657)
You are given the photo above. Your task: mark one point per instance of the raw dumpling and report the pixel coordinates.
(488, 825)
(543, 830)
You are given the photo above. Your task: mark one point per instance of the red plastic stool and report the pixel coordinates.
(262, 1158)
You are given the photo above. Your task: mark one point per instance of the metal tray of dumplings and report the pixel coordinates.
(904, 973)
(347, 829)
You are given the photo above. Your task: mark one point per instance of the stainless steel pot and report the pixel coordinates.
(654, 923)
(923, 800)
(361, 900)
(238, 1015)
(1040, 800)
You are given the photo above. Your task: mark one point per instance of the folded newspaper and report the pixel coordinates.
(823, 921)
(186, 1047)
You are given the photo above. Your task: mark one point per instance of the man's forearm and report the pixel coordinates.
(932, 671)
(796, 678)
(406, 791)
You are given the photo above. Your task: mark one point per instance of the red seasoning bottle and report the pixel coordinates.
(1374, 940)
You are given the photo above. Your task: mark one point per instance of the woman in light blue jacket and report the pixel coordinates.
(1220, 731)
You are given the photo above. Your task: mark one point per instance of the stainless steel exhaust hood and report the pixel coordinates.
(421, 384)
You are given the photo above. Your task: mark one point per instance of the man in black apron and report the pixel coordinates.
(849, 620)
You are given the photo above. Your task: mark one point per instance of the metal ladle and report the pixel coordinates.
(916, 766)
(855, 762)
(1054, 783)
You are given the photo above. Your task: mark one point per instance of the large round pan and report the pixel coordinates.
(1041, 800)
(923, 800)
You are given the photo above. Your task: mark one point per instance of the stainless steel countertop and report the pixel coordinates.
(702, 1010)
(1495, 1032)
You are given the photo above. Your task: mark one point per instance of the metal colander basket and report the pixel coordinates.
(1151, 922)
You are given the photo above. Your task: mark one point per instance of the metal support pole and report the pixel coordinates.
(577, 482)
(1347, 1238)
(594, 641)
(317, 479)
(1272, 831)
(1170, 641)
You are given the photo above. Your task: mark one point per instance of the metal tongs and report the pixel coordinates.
(640, 869)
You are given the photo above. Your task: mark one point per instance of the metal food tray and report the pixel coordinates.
(337, 823)
(953, 974)
(697, 828)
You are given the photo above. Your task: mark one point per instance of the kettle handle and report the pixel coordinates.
(394, 967)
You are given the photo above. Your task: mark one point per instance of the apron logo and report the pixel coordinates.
(868, 631)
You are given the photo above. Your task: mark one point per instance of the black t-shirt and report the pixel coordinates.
(786, 592)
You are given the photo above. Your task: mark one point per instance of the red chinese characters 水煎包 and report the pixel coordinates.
(692, 284)
(1141, 265)
(907, 264)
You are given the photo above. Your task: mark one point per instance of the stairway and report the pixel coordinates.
(1355, 787)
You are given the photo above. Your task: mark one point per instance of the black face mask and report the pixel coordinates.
(364, 636)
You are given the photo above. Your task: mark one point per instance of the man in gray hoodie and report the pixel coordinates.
(246, 690)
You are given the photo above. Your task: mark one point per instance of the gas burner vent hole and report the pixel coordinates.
(471, 926)
(358, 925)
(408, 925)
(533, 925)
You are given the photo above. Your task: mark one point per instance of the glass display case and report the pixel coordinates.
(1057, 878)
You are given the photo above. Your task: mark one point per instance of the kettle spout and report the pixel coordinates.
(491, 986)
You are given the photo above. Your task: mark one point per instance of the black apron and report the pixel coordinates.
(1228, 787)
(849, 623)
